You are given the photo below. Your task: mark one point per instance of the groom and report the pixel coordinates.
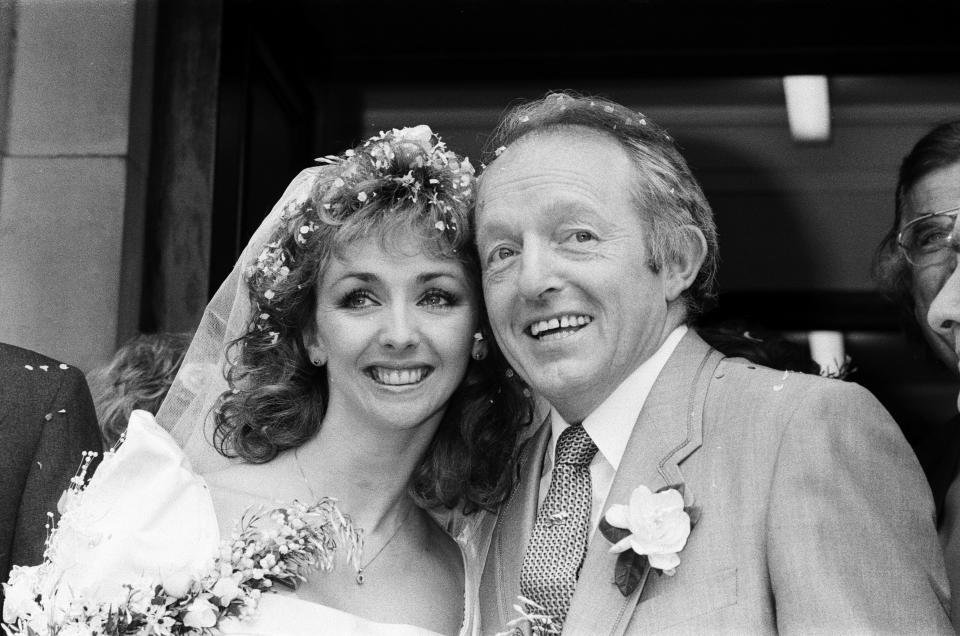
(812, 515)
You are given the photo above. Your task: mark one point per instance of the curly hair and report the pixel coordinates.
(137, 377)
(665, 185)
(938, 148)
(396, 184)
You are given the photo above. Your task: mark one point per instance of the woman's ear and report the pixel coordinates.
(315, 348)
(684, 262)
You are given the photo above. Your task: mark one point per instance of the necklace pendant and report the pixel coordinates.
(359, 578)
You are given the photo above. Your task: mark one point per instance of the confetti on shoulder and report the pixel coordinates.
(28, 367)
(44, 367)
(63, 366)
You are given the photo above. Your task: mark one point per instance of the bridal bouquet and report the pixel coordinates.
(249, 563)
(99, 577)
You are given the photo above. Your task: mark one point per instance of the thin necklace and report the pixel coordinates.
(396, 531)
(360, 577)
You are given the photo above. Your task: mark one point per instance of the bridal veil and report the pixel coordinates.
(186, 411)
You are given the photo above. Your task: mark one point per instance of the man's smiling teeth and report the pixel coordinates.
(563, 322)
(399, 377)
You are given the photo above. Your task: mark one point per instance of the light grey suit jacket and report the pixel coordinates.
(816, 517)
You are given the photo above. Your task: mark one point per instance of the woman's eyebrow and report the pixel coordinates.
(365, 277)
(426, 277)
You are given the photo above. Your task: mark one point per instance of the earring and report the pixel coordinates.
(479, 349)
(317, 362)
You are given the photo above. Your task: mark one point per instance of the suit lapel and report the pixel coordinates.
(668, 429)
(501, 573)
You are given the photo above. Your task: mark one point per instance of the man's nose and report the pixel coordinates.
(401, 328)
(538, 271)
(944, 312)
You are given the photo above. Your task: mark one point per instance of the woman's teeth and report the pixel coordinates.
(398, 377)
(563, 322)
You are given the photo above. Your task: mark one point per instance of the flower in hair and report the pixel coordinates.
(414, 158)
(421, 135)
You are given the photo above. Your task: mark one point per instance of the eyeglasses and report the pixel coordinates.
(930, 239)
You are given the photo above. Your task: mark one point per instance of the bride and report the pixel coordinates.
(356, 368)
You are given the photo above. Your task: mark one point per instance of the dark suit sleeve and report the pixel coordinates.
(851, 539)
(68, 427)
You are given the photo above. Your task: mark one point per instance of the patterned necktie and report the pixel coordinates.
(558, 544)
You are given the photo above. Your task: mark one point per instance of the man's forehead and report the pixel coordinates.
(572, 157)
(572, 136)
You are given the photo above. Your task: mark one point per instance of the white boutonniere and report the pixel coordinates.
(652, 528)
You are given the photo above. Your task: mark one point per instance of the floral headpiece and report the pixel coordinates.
(402, 163)
(406, 164)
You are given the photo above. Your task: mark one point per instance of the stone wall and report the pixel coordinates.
(72, 167)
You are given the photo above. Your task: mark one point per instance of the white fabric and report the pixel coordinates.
(289, 616)
(185, 411)
(610, 426)
(139, 502)
(148, 513)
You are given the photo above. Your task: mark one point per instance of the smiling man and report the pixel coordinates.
(598, 250)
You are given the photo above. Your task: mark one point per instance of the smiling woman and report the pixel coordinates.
(394, 329)
(358, 356)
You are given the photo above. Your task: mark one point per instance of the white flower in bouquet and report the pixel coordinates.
(21, 592)
(226, 589)
(176, 583)
(201, 614)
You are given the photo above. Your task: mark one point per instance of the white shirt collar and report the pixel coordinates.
(611, 423)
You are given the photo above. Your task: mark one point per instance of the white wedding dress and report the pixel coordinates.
(146, 513)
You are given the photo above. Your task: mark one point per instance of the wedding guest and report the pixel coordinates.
(916, 263)
(926, 183)
(786, 501)
(137, 377)
(345, 357)
(47, 421)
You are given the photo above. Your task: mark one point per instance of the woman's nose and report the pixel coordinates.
(401, 329)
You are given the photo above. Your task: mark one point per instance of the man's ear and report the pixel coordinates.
(684, 264)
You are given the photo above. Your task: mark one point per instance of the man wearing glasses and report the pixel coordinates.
(916, 263)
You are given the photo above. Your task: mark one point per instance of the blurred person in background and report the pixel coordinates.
(737, 339)
(912, 266)
(137, 377)
(916, 265)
